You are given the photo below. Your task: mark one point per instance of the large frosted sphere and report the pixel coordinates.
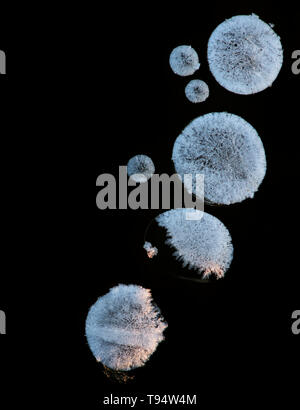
(124, 327)
(227, 150)
(244, 54)
(202, 244)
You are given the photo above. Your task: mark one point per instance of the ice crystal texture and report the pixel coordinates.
(227, 150)
(124, 327)
(202, 244)
(150, 249)
(184, 61)
(244, 54)
(196, 91)
(140, 168)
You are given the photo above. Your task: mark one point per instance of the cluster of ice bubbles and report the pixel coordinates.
(244, 55)
(124, 327)
(228, 151)
(184, 61)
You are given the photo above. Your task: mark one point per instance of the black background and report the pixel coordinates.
(227, 340)
(226, 336)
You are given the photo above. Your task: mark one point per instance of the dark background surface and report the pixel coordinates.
(225, 338)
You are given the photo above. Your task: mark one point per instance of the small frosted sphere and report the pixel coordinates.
(140, 168)
(202, 244)
(184, 61)
(227, 150)
(244, 54)
(196, 91)
(150, 249)
(124, 327)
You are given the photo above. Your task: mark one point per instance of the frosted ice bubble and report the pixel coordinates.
(150, 249)
(244, 54)
(124, 327)
(184, 61)
(227, 150)
(197, 91)
(202, 244)
(140, 168)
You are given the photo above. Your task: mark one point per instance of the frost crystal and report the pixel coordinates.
(203, 244)
(227, 150)
(244, 54)
(151, 250)
(184, 60)
(124, 327)
(196, 91)
(140, 168)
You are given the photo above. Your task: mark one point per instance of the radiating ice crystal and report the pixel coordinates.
(124, 327)
(202, 244)
(184, 61)
(227, 150)
(196, 91)
(245, 54)
(151, 250)
(140, 168)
